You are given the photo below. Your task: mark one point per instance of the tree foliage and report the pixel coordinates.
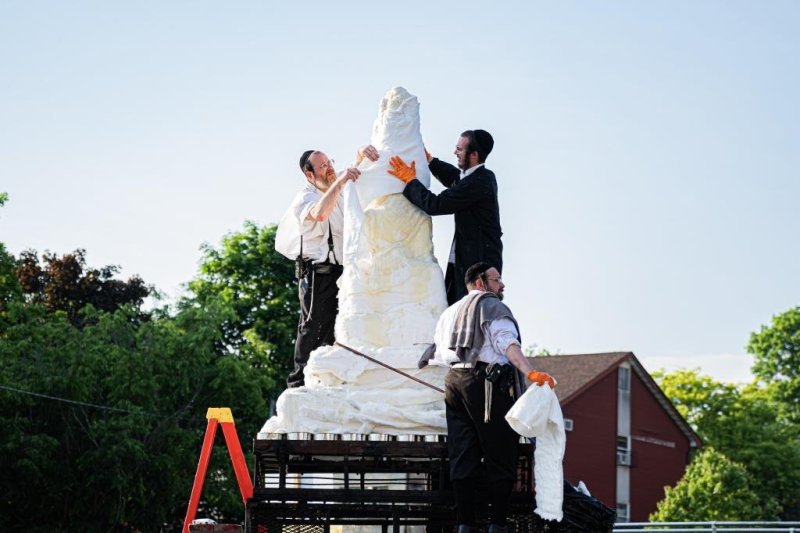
(743, 423)
(10, 289)
(246, 275)
(703, 401)
(66, 284)
(127, 460)
(104, 413)
(777, 359)
(713, 488)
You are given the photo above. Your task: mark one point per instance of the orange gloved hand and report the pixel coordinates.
(402, 171)
(540, 378)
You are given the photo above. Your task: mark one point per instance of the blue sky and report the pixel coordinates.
(646, 152)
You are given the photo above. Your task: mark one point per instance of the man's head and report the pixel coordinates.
(473, 147)
(484, 277)
(318, 169)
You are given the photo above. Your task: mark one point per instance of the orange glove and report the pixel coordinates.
(402, 171)
(540, 378)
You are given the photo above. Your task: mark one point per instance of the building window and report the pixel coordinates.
(623, 512)
(623, 451)
(624, 378)
(568, 424)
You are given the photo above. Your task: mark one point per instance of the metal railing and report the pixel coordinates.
(713, 527)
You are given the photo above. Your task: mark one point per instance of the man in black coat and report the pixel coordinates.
(471, 196)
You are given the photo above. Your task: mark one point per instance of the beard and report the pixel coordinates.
(324, 181)
(496, 293)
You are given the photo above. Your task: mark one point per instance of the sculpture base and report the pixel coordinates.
(308, 486)
(347, 394)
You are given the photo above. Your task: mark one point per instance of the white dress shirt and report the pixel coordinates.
(470, 170)
(498, 335)
(315, 234)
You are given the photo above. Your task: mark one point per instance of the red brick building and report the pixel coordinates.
(625, 439)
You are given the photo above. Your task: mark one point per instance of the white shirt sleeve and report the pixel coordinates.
(502, 333)
(444, 330)
(308, 228)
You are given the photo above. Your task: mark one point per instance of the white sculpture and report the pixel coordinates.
(391, 295)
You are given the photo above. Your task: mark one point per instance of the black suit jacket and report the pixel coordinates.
(473, 201)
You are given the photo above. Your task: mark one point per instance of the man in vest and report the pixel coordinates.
(488, 371)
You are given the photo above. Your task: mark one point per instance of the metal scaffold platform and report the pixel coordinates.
(309, 485)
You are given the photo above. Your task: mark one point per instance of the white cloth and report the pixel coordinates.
(395, 131)
(538, 414)
(314, 233)
(498, 335)
(391, 294)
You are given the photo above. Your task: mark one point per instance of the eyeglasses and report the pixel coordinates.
(329, 164)
(487, 279)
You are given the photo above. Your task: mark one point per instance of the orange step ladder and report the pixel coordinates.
(219, 416)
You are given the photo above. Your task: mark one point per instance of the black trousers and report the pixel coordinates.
(455, 287)
(319, 304)
(481, 453)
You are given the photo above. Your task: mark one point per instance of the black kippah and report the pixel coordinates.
(304, 159)
(484, 140)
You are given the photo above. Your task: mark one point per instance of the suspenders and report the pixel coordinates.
(302, 268)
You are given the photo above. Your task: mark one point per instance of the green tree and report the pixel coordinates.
(124, 456)
(777, 359)
(246, 275)
(744, 424)
(10, 289)
(104, 413)
(66, 284)
(703, 401)
(713, 488)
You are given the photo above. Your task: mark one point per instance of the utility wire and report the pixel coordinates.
(95, 405)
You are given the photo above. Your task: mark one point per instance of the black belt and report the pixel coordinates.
(479, 367)
(326, 268)
(307, 267)
(476, 364)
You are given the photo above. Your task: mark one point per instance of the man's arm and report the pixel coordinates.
(457, 198)
(324, 207)
(446, 173)
(503, 336)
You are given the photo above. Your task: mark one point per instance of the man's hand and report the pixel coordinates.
(540, 378)
(350, 174)
(428, 155)
(402, 171)
(368, 151)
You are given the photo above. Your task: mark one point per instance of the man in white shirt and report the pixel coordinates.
(316, 219)
(486, 359)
